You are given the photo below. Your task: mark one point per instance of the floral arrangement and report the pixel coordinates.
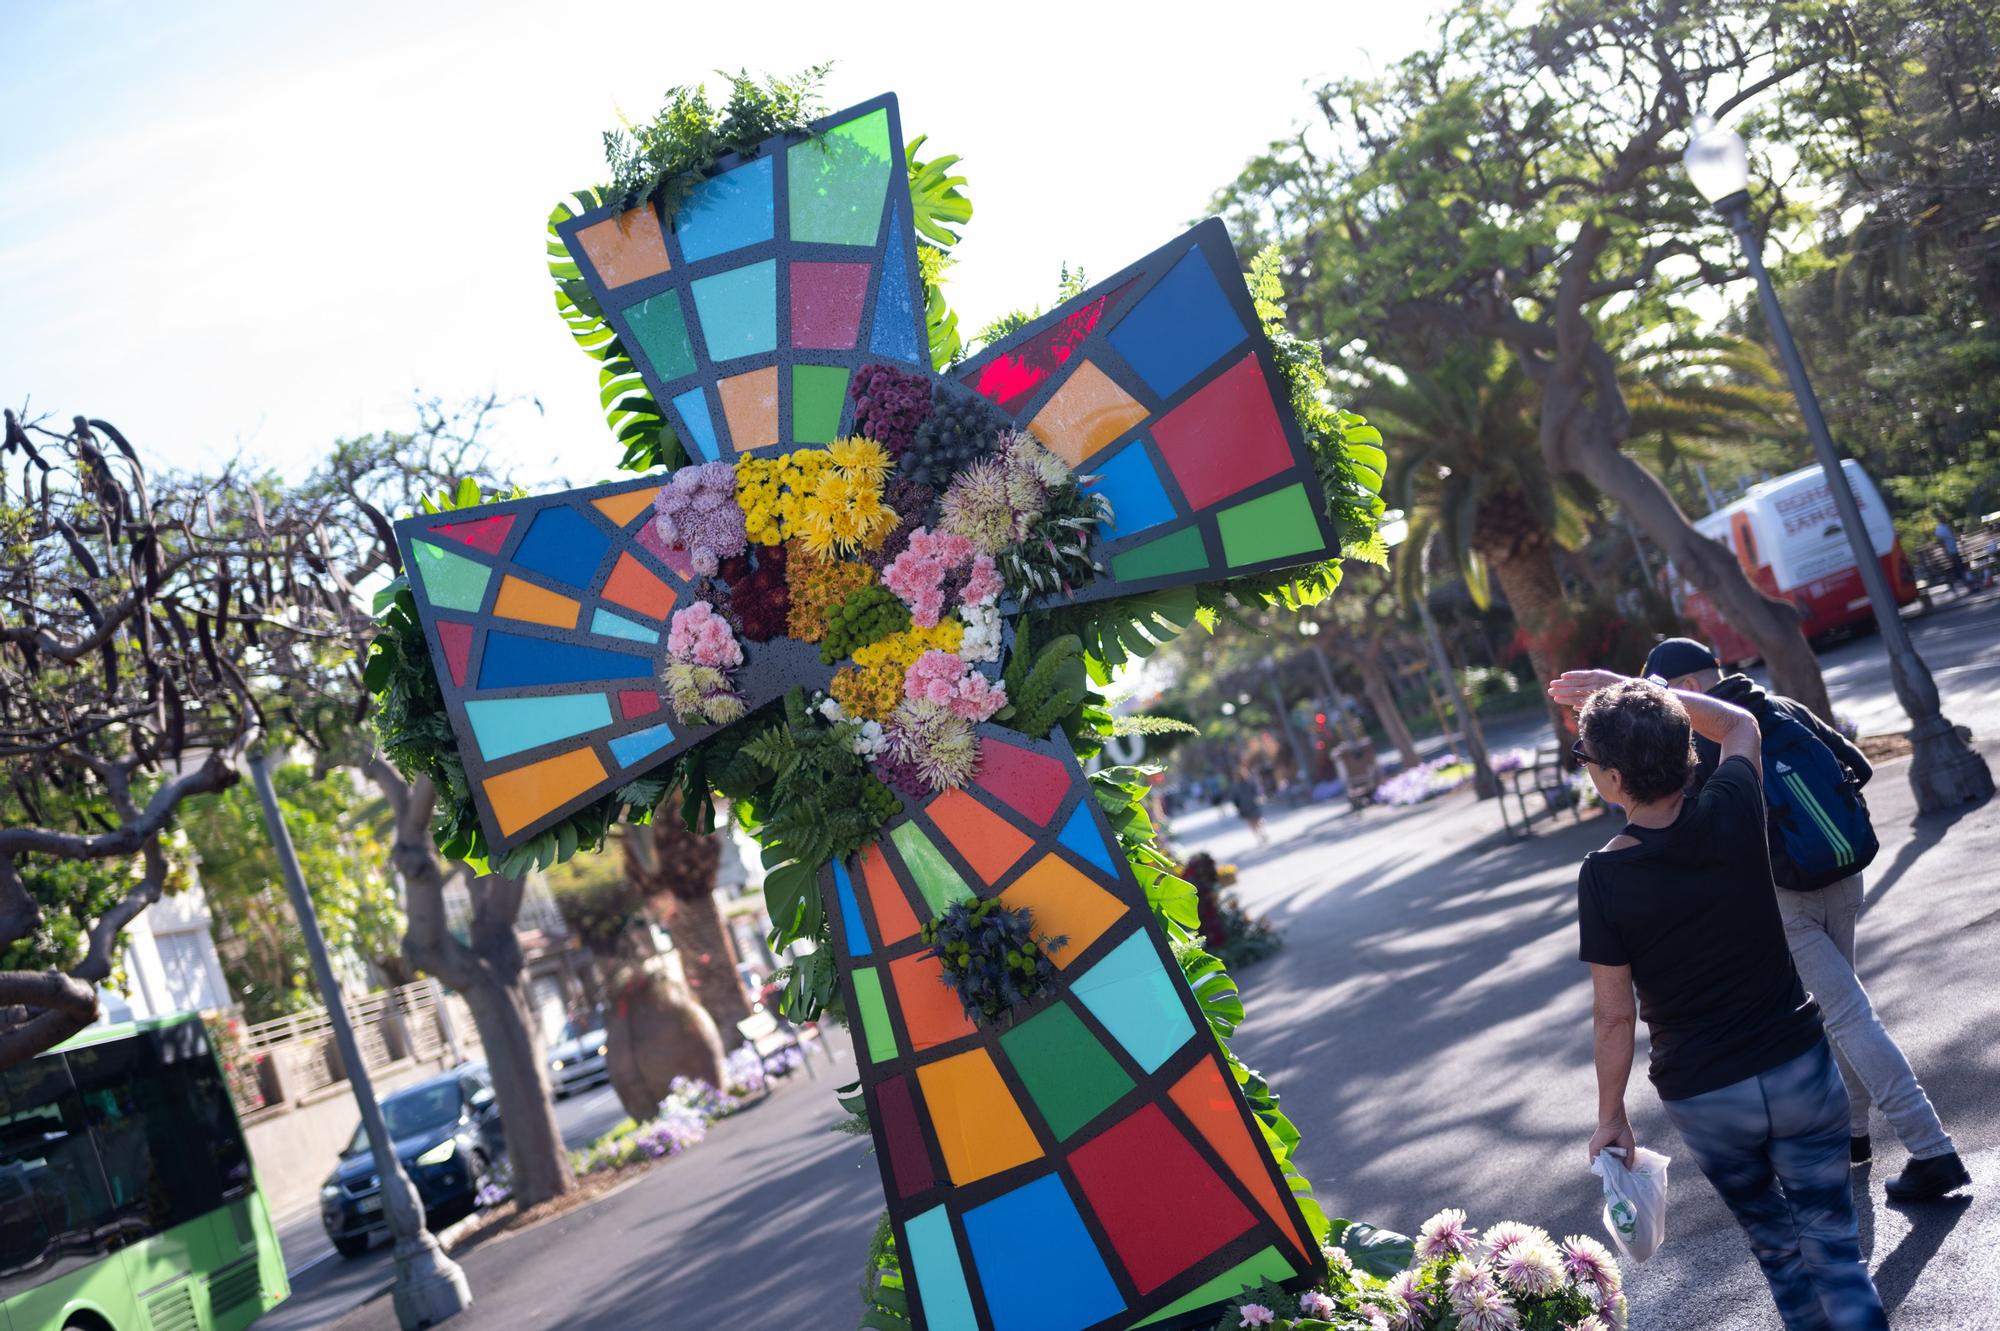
(701, 651)
(684, 1116)
(992, 959)
(695, 511)
(1227, 930)
(1516, 1278)
(889, 405)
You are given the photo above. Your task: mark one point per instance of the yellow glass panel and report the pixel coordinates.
(979, 1127)
(1086, 415)
(1065, 905)
(534, 605)
(526, 793)
(621, 509)
(750, 404)
(625, 248)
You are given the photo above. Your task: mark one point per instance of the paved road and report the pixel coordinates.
(324, 1285)
(1428, 1024)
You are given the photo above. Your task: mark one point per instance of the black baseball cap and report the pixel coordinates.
(1674, 657)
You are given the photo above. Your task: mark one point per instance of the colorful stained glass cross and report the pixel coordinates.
(1091, 1164)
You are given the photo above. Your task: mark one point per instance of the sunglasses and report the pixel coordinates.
(1576, 752)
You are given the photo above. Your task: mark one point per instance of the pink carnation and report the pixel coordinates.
(944, 678)
(701, 637)
(1315, 1304)
(918, 574)
(982, 584)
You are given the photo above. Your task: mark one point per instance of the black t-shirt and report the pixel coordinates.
(1691, 909)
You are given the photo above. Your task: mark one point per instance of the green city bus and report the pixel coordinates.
(127, 1201)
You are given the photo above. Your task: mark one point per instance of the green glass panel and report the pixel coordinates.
(1178, 552)
(453, 582)
(818, 393)
(739, 310)
(1266, 1265)
(1069, 1073)
(661, 328)
(875, 1024)
(510, 725)
(936, 879)
(839, 181)
(1272, 527)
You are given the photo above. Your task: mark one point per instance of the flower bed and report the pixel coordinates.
(1442, 775)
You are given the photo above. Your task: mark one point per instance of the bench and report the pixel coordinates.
(771, 1038)
(1546, 778)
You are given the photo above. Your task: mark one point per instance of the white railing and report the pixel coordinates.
(413, 1021)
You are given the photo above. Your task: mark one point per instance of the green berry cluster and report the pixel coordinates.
(868, 614)
(878, 801)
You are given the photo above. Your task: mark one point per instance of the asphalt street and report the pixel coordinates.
(1427, 1023)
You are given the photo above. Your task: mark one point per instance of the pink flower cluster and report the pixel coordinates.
(701, 637)
(919, 575)
(945, 679)
(696, 510)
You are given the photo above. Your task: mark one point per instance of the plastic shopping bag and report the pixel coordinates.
(1635, 1200)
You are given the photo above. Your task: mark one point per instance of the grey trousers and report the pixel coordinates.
(1820, 928)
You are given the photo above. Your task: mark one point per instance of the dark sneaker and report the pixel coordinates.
(1858, 1150)
(1928, 1180)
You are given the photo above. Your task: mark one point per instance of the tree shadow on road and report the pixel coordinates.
(1926, 830)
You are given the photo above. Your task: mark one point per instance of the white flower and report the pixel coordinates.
(869, 739)
(983, 633)
(830, 709)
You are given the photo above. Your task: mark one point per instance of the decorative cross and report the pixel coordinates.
(1090, 1163)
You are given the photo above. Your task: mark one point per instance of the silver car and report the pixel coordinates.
(577, 1058)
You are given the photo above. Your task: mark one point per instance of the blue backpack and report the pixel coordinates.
(1820, 831)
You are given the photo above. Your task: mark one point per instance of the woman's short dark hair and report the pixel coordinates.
(1641, 731)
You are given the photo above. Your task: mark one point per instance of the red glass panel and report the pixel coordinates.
(487, 534)
(637, 702)
(1161, 1205)
(457, 642)
(1012, 377)
(1030, 782)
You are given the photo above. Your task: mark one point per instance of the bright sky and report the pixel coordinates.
(253, 227)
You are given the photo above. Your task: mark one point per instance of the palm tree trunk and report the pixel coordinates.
(708, 955)
(654, 1031)
(1526, 572)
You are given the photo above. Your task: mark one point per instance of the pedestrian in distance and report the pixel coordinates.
(1947, 539)
(1821, 839)
(1249, 805)
(1679, 905)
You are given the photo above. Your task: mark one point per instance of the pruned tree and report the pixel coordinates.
(673, 868)
(149, 627)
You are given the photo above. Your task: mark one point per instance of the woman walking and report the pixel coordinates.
(1680, 905)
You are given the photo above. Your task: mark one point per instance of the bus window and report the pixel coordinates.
(54, 1213)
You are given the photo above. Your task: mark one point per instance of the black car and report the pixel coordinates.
(577, 1060)
(447, 1134)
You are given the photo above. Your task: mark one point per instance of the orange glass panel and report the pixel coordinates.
(931, 1012)
(625, 248)
(621, 509)
(534, 605)
(979, 1126)
(989, 842)
(1086, 414)
(634, 587)
(1065, 905)
(1206, 1100)
(894, 920)
(526, 793)
(750, 405)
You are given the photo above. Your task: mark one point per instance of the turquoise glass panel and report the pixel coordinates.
(894, 334)
(1130, 992)
(739, 310)
(510, 725)
(838, 182)
(1139, 501)
(1081, 838)
(1179, 328)
(453, 582)
(693, 408)
(940, 1278)
(850, 912)
(617, 626)
(629, 749)
(660, 328)
(726, 212)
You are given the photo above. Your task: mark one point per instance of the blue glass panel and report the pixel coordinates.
(940, 1279)
(617, 626)
(512, 661)
(1179, 328)
(1037, 1263)
(562, 544)
(1081, 838)
(894, 334)
(739, 310)
(850, 912)
(1138, 500)
(1132, 995)
(726, 212)
(693, 407)
(509, 725)
(629, 749)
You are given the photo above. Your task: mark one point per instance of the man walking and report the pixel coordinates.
(1820, 842)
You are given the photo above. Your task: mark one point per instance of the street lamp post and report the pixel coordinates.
(429, 1287)
(1945, 772)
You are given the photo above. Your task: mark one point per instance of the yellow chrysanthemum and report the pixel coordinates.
(863, 459)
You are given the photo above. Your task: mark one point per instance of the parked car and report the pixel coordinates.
(447, 1133)
(577, 1060)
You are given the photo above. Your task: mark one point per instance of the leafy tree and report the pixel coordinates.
(1519, 181)
(344, 854)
